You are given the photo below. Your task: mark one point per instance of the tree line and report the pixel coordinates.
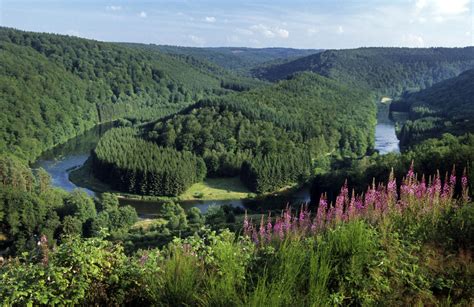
(132, 164)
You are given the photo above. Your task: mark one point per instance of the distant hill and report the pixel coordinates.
(238, 59)
(447, 106)
(53, 87)
(387, 71)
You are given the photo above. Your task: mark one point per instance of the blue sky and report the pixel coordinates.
(292, 23)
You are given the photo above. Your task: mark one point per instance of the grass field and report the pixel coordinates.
(217, 189)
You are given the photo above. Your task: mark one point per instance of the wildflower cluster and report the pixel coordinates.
(416, 197)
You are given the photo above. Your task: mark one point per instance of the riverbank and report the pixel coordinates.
(211, 189)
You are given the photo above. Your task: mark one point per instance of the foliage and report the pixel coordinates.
(271, 135)
(387, 71)
(366, 259)
(429, 157)
(31, 207)
(240, 60)
(53, 87)
(134, 165)
(445, 107)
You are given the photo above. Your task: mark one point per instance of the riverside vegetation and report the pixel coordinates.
(410, 248)
(380, 239)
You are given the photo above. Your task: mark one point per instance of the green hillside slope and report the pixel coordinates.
(387, 71)
(238, 59)
(55, 86)
(270, 136)
(447, 106)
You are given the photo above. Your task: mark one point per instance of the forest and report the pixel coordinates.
(136, 166)
(54, 87)
(239, 60)
(445, 107)
(394, 229)
(386, 71)
(268, 136)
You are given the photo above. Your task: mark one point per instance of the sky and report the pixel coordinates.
(325, 24)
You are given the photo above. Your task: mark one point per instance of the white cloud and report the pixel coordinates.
(113, 8)
(197, 40)
(440, 10)
(142, 14)
(412, 40)
(270, 32)
(262, 29)
(340, 30)
(283, 33)
(210, 19)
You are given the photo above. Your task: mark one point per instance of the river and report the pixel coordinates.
(386, 140)
(59, 161)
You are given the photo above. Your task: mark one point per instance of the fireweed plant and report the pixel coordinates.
(415, 200)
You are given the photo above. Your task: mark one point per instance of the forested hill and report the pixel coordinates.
(272, 136)
(447, 106)
(238, 59)
(53, 87)
(387, 71)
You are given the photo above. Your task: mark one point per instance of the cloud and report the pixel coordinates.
(210, 19)
(270, 32)
(142, 14)
(283, 33)
(440, 10)
(197, 40)
(412, 40)
(340, 30)
(113, 8)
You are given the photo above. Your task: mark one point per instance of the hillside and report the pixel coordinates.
(54, 87)
(387, 71)
(270, 135)
(238, 59)
(446, 107)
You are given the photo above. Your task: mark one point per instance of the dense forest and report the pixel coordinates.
(270, 136)
(387, 71)
(30, 208)
(446, 107)
(134, 165)
(54, 87)
(239, 60)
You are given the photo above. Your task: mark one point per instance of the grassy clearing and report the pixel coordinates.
(146, 224)
(217, 189)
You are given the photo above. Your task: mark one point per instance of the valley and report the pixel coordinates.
(145, 174)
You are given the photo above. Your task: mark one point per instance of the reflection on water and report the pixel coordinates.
(59, 169)
(150, 209)
(386, 139)
(64, 158)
